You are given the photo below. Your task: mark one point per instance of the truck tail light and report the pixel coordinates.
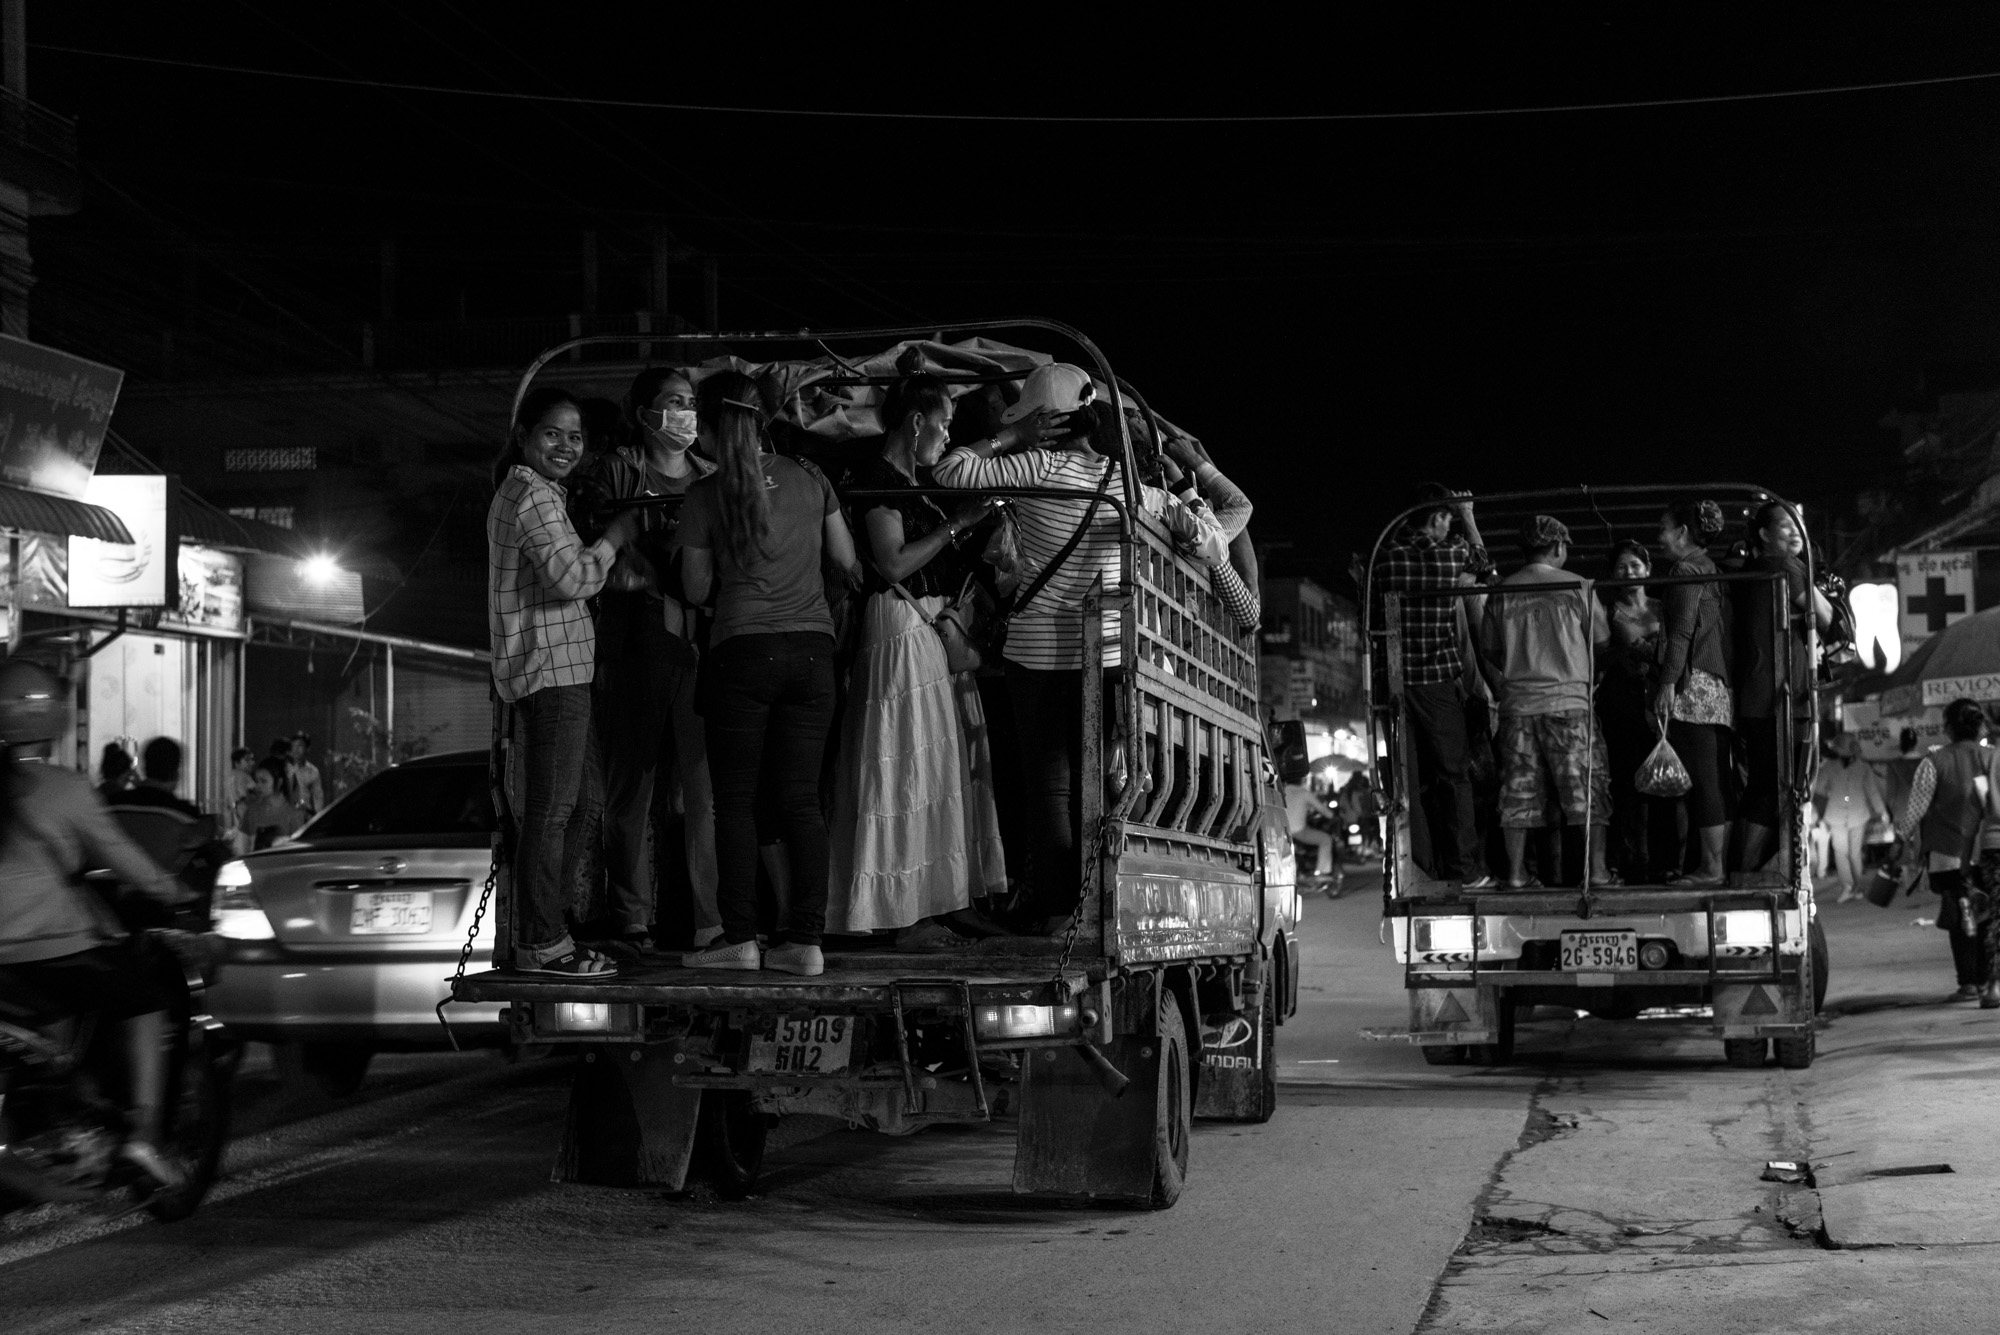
(1023, 1021)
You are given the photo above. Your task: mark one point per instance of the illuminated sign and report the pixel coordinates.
(211, 589)
(143, 573)
(1936, 589)
(1880, 735)
(313, 589)
(54, 410)
(1877, 635)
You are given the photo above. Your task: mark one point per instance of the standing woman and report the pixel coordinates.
(1642, 828)
(916, 835)
(1693, 698)
(755, 534)
(539, 575)
(1778, 549)
(1948, 799)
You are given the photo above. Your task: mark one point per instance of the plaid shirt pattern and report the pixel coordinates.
(538, 576)
(1417, 564)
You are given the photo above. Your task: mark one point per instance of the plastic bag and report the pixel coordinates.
(1662, 775)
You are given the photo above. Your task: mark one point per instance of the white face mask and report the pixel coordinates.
(676, 424)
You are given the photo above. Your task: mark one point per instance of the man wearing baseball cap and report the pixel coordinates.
(1536, 649)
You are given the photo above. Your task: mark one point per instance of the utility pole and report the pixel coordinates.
(590, 271)
(14, 34)
(388, 275)
(663, 253)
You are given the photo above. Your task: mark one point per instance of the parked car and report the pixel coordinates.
(339, 943)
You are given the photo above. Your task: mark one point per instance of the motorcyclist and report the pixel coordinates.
(1301, 803)
(59, 947)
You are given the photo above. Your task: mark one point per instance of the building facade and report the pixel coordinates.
(1310, 665)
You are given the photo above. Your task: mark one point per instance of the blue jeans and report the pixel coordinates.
(767, 701)
(555, 724)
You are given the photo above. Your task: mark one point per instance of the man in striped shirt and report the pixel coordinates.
(1044, 652)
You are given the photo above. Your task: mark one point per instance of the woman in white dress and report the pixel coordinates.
(916, 837)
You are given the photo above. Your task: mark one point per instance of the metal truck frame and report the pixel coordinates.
(1159, 1005)
(1471, 959)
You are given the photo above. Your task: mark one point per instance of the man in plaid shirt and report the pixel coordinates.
(1427, 557)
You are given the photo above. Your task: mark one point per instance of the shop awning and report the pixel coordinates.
(34, 512)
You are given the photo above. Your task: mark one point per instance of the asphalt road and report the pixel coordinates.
(1386, 1195)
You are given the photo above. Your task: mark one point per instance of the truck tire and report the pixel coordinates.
(1173, 1111)
(1796, 1054)
(1501, 1050)
(1822, 962)
(1745, 1053)
(728, 1142)
(330, 1070)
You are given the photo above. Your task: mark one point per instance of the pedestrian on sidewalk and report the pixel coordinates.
(1948, 798)
(1849, 796)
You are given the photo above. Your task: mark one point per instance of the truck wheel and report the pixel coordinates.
(1796, 1054)
(1173, 1110)
(1745, 1053)
(1822, 962)
(328, 1069)
(1501, 1050)
(729, 1142)
(1444, 1054)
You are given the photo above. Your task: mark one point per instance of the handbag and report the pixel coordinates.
(958, 624)
(998, 638)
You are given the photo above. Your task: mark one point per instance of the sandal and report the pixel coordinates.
(1611, 881)
(929, 938)
(1532, 883)
(1685, 881)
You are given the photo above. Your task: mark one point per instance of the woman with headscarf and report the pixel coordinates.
(1849, 796)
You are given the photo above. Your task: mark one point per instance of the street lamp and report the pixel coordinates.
(320, 569)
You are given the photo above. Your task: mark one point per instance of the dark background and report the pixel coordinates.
(1736, 290)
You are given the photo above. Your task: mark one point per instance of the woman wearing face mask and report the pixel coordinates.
(539, 576)
(652, 737)
(755, 534)
(916, 837)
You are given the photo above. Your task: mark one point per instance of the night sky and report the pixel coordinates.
(1733, 290)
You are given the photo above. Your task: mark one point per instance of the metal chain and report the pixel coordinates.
(1097, 851)
(471, 935)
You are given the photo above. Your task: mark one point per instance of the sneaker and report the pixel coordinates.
(722, 955)
(1989, 997)
(704, 937)
(569, 961)
(164, 1172)
(805, 961)
(1967, 993)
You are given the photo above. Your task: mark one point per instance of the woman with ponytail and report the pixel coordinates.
(754, 534)
(1692, 702)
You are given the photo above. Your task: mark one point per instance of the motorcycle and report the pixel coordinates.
(60, 1130)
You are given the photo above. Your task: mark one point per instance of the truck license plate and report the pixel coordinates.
(390, 913)
(804, 1045)
(1600, 951)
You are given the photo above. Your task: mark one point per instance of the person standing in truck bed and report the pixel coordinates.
(1425, 559)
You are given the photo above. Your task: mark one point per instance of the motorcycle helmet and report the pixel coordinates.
(34, 704)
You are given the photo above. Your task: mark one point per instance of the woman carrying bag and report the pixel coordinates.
(1692, 701)
(916, 835)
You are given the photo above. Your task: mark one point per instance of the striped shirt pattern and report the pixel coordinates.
(538, 576)
(1047, 634)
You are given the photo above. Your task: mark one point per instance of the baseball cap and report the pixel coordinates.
(1058, 387)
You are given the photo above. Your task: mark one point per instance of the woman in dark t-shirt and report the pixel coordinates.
(755, 534)
(1758, 672)
(916, 833)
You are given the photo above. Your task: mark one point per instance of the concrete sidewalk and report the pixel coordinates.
(1634, 1201)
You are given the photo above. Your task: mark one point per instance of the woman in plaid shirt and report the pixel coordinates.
(538, 576)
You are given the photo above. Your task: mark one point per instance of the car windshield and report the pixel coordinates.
(422, 799)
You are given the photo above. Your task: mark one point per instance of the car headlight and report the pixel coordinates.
(235, 910)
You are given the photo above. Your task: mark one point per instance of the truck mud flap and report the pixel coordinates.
(629, 1125)
(1762, 1010)
(1078, 1140)
(1453, 1015)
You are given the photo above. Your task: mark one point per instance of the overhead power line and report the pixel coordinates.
(1302, 118)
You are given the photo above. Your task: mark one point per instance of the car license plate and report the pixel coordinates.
(805, 1045)
(1600, 951)
(390, 913)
